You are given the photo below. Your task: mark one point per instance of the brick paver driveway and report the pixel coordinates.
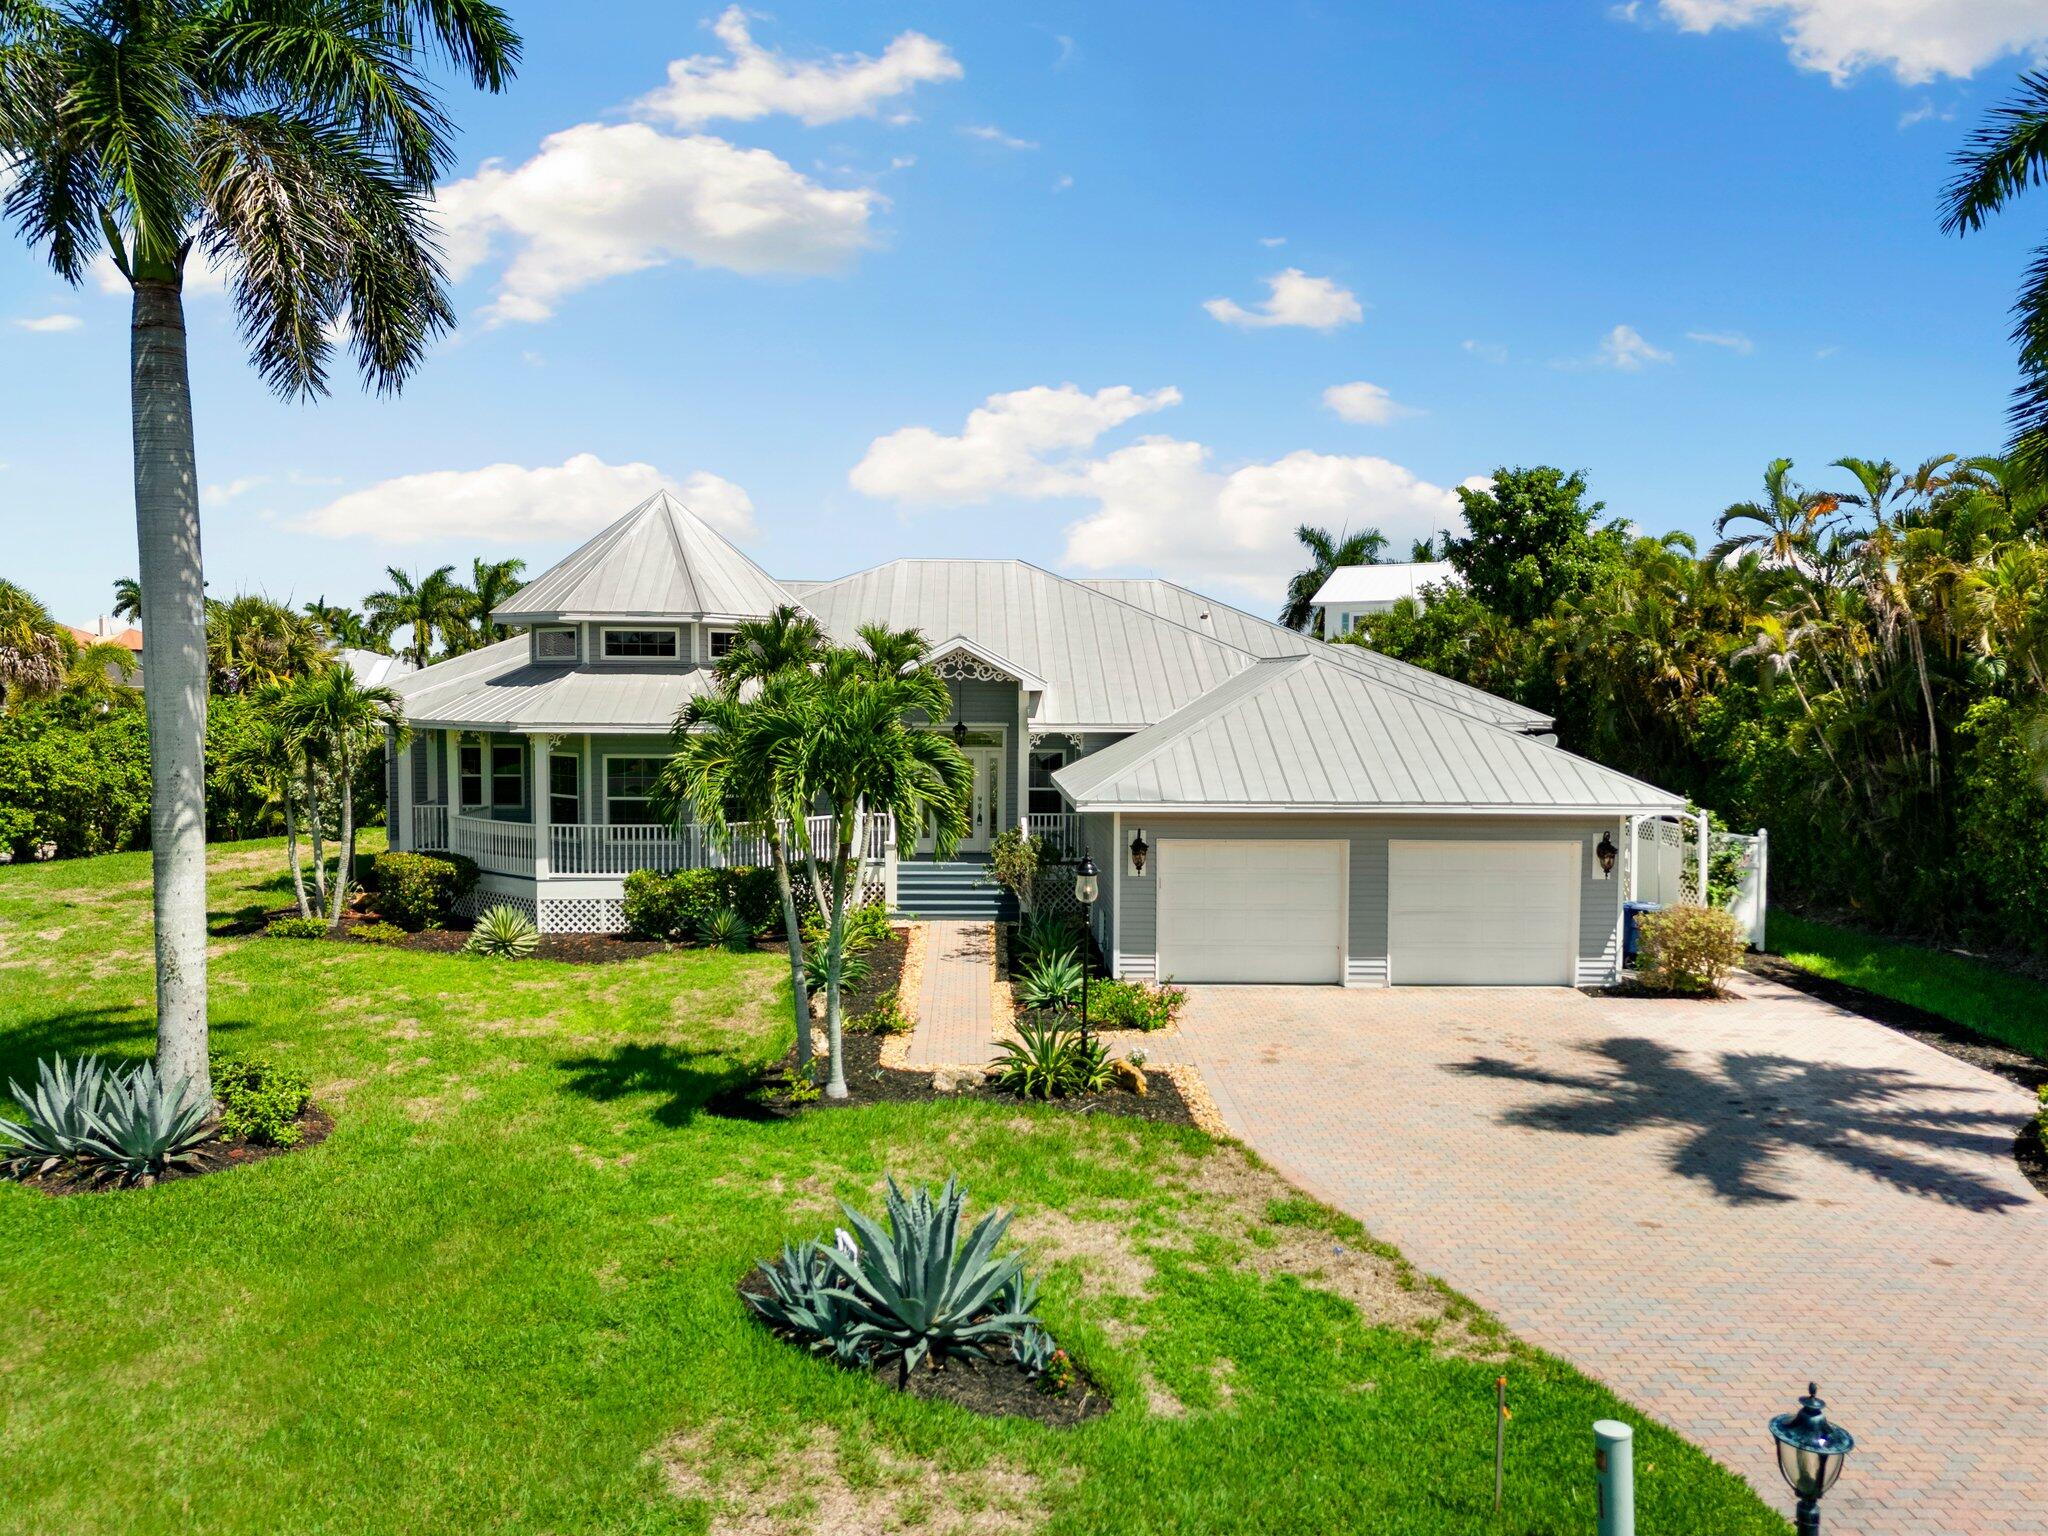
(1703, 1204)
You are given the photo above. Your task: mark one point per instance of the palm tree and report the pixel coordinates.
(1329, 551)
(127, 598)
(2005, 157)
(294, 143)
(787, 639)
(433, 604)
(490, 583)
(251, 641)
(270, 755)
(33, 661)
(99, 674)
(1789, 519)
(341, 625)
(344, 721)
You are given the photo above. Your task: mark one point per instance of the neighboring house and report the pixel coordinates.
(127, 636)
(1262, 806)
(1353, 591)
(373, 668)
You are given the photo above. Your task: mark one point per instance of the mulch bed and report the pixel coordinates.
(571, 948)
(315, 1125)
(1632, 989)
(994, 1388)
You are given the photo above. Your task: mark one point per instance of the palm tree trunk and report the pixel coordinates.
(174, 619)
(291, 848)
(835, 955)
(780, 859)
(344, 854)
(314, 817)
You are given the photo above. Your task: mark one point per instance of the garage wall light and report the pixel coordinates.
(1605, 853)
(1139, 848)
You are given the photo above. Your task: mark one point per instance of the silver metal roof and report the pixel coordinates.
(1305, 733)
(1105, 663)
(500, 688)
(1264, 638)
(660, 560)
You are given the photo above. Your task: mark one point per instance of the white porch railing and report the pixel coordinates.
(586, 848)
(503, 847)
(429, 827)
(1061, 832)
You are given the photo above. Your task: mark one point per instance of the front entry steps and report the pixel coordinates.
(959, 890)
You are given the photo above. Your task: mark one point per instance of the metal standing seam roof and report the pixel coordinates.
(1108, 664)
(500, 688)
(660, 560)
(1386, 582)
(1264, 638)
(1304, 733)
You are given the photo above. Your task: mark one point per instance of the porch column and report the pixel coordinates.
(398, 817)
(452, 759)
(1706, 837)
(1023, 765)
(543, 760)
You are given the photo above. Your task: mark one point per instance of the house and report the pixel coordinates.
(127, 636)
(372, 668)
(1353, 591)
(1262, 806)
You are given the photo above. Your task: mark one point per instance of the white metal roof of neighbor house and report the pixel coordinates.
(1106, 662)
(660, 560)
(1385, 583)
(373, 667)
(500, 688)
(1264, 638)
(1304, 733)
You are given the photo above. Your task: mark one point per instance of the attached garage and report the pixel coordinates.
(1482, 914)
(1252, 911)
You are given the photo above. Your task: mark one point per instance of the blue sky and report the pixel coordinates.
(1085, 285)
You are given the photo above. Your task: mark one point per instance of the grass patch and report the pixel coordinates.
(1996, 1003)
(499, 1298)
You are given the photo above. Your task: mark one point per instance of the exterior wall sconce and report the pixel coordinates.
(1606, 853)
(1139, 848)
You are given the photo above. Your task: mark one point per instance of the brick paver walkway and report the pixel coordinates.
(956, 1013)
(1703, 1204)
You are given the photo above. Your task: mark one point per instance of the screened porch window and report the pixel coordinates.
(1043, 797)
(628, 786)
(565, 803)
(508, 775)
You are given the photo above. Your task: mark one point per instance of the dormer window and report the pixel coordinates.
(640, 645)
(722, 643)
(555, 644)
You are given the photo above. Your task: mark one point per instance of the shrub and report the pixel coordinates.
(1047, 933)
(867, 925)
(60, 1111)
(726, 929)
(676, 905)
(1134, 1004)
(297, 928)
(144, 1127)
(260, 1101)
(886, 1017)
(853, 970)
(1051, 981)
(420, 890)
(805, 1301)
(379, 933)
(1014, 860)
(503, 933)
(1687, 948)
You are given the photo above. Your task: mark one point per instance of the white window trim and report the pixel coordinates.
(606, 631)
(711, 634)
(575, 645)
(603, 788)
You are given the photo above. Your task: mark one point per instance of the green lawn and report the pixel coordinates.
(499, 1298)
(1979, 996)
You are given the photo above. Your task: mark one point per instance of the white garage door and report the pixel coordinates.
(1483, 914)
(1251, 911)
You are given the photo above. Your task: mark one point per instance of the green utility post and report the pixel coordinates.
(1614, 1464)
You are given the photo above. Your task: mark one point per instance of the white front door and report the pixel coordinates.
(1482, 914)
(984, 806)
(1252, 911)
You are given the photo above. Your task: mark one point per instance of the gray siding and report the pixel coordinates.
(1599, 900)
(423, 742)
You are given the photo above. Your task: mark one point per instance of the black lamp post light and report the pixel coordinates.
(1810, 1455)
(1087, 889)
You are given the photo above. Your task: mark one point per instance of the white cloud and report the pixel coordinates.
(1295, 298)
(49, 323)
(220, 495)
(600, 200)
(1733, 341)
(1063, 184)
(1623, 348)
(1156, 504)
(990, 133)
(1368, 405)
(511, 504)
(1485, 351)
(751, 81)
(1926, 112)
(1003, 447)
(1272, 242)
(1916, 39)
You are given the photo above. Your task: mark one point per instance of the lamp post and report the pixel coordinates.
(1087, 887)
(1810, 1455)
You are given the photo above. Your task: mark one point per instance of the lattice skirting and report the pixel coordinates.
(1053, 892)
(593, 914)
(482, 898)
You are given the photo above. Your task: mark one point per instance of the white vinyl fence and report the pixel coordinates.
(1664, 867)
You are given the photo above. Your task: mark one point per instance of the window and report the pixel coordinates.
(721, 643)
(508, 774)
(628, 782)
(565, 804)
(470, 772)
(640, 644)
(1044, 798)
(554, 645)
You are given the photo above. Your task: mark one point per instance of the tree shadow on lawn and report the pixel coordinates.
(1736, 1123)
(686, 1079)
(229, 922)
(125, 1034)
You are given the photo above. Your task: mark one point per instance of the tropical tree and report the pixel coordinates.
(99, 676)
(343, 720)
(1327, 551)
(271, 757)
(430, 605)
(1788, 521)
(293, 144)
(1530, 541)
(787, 640)
(252, 641)
(127, 598)
(33, 661)
(341, 625)
(2004, 157)
(490, 583)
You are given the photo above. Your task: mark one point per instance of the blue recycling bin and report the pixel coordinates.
(1631, 912)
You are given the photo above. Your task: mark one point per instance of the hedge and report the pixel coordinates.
(420, 890)
(675, 906)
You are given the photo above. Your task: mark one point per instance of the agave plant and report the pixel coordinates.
(144, 1126)
(805, 1300)
(503, 933)
(918, 1291)
(853, 971)
(1032, 1349)
(1035, 1064)
(59, 1112)
(1046, 933)
(725, 928)
(1051, 981)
